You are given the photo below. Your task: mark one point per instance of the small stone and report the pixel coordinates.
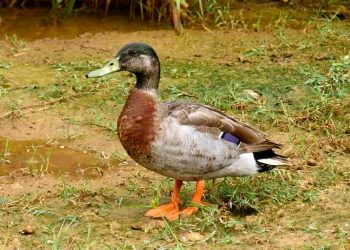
(243, 59)
(114, 226)
(105, 155)
(62, 146)
(321, 57)
(191, 236)
(311, 162)
(50, 242)
(28, 230)
(280, 213)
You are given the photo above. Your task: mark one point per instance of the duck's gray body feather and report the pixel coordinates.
(188, 144)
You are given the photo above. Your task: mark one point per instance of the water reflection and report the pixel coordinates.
(37, 157)
(31, 24)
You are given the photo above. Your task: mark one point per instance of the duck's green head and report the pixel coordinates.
(137, 58)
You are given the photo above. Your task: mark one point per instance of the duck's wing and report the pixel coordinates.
(213, 121)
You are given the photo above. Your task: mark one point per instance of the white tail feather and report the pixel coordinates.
(274, 161)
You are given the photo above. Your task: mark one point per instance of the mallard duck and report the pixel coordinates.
(182, 140)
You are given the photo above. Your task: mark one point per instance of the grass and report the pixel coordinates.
(305, 101)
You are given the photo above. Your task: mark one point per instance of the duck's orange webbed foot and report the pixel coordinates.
(170, 210)
(189, 211)
(196, 199)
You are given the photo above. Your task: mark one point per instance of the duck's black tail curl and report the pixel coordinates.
(268, 160)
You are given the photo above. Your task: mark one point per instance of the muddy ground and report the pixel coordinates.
(67, 183)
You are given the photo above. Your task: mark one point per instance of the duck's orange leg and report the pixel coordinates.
(170, 210)
(196, 199)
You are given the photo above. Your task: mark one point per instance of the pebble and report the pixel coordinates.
(243, 59)
(280, 213)
(114, 226)
(191, 236)
(28, 230)
(311, 162)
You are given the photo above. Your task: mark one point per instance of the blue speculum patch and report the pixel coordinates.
(230, 137)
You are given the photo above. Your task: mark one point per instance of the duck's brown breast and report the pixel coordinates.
(137, 124)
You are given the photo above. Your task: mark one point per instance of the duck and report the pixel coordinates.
(183, 140)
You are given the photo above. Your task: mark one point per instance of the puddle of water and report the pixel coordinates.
(31, 24)
(37, 157)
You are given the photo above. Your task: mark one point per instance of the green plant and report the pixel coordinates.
(249, 194)
(336, 82)
(68, 192)
(37, 164)
(16, 44)
(5, 154)
(60, 235)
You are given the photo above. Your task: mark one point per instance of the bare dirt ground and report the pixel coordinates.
(98, 201)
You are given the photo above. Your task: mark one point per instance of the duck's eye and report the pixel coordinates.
(133, 52)
(111, 64)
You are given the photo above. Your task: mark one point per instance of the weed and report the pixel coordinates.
(15, 108)
(310, 196)
(59, 235)
(69, 218)
(40, 212)
(68, 192)
(335, 83)
(119, 156)
(37, 164)
(3, 201)
(284, 41)
(3, 90)
(247, 195)
(5, 154)
(16, 44)
(5, 65)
